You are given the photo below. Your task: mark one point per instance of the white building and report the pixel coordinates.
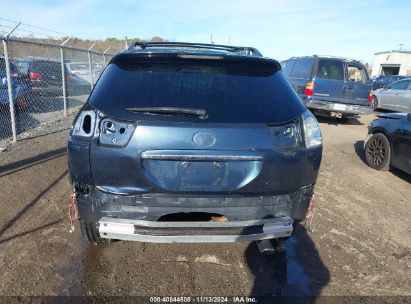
(392, 63)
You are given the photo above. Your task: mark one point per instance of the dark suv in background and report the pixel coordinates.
(184, 142)
(330, 86)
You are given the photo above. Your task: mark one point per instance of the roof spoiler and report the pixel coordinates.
(249, 51)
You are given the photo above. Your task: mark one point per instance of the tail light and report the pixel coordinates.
(70, 76)
(21, 101)
(34, 75)
(309, 89)
(312, 132)
(369, 99)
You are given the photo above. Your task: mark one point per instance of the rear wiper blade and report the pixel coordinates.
(200, 113)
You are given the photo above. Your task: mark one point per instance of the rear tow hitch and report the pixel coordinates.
(270, 247)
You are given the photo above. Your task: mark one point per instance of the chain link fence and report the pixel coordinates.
(41, 84)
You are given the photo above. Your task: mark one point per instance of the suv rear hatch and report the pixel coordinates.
(250, 140)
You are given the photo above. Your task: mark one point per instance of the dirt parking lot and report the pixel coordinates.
(360, 242)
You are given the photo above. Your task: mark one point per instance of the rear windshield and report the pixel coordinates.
(302, 68)
(229, 92)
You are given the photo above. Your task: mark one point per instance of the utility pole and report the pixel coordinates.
(211, 39)
(125, 43)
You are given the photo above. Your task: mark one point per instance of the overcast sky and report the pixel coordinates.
(279, 29)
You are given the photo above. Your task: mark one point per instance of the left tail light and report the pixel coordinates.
(84, 124)
(309, 89)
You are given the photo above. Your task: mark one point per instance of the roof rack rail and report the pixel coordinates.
(250, 51)
(325, 56)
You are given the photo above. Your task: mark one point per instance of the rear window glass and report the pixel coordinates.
(287, 66)
(23, 67)
(302, 68)
(47, 67)
(229, 92)
(330, 69)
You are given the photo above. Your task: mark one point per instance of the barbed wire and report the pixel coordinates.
(19, 30)
(35, 27)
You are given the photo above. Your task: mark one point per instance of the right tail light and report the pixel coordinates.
(312, 132)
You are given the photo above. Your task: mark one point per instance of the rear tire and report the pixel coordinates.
(374, 103)
(378, 152)
(90, 233)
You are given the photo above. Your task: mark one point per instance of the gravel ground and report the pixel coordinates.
(360, 242)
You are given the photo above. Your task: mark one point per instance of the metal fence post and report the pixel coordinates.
(10, 90)
(9, 84)
(104, 57)
(63, 76)
(90, 66)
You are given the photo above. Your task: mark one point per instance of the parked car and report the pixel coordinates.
(20, 89)
(330, 86)
(82, 70)
(45, 77)
(382, 81)
(184, 142)
(389, 142)
(394, 97)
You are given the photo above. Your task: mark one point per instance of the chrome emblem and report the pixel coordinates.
(204, 139)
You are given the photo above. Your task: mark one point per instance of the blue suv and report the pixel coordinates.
(331, 86)
(183, 142)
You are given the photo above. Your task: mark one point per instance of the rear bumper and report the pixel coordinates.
(98, 204)
(195, 232)
(328, 106)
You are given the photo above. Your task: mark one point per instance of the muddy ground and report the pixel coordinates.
(360, 242)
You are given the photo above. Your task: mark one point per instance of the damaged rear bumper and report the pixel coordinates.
(144, 217)
(97, 204)
(195, 232)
